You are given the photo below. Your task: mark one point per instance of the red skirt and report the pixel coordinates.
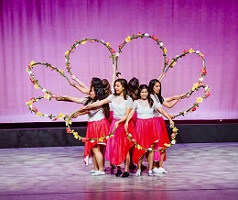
(146, 135)
(95, 129)
(119, 145)
(164, 137)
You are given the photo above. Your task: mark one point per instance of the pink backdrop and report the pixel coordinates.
(43, 30)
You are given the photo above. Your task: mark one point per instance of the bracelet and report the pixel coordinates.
(118, 74)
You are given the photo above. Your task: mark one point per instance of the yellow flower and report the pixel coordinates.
(61, 71)
(47, 96)
(128, 39)
(36, 86)
(175, 130)
(139, 147)
(66, 53)
(195, 86)
(83, 42)
(190, 50)
(29, 103)
(173, 63)
(60, 116)
(167, 145)
(32, 63)
(107, 44)
(101, 139)
(199, 100)
(165, 50)
(39, 114)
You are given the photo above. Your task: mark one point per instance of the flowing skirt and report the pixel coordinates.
(146, 136)
(95, 129)
(119, 145)
(163, 135)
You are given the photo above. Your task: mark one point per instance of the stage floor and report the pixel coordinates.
(195, 171)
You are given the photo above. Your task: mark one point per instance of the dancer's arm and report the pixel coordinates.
(95, 104)
(71, 99)
(130, 115)
(172, 101)
(124, 118)
(161, 76)
(80, 85)
(165, 115)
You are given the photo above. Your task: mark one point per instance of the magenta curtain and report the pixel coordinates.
(42, 30)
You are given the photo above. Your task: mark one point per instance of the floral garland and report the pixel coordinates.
(69, 130)
(141, 36)
(47, 94)
(82, 42)
(139, 147)
(196, 86)
(114, 55)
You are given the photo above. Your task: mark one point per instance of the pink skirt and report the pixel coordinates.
(163, 135)
(119, 145)
(145, 135)
(95, 129)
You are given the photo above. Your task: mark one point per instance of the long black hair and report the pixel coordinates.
(133, 86)
(144, 86)
(100, 94)
(151, 89)
(124, 85)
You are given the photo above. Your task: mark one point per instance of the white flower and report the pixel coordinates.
(177, 56)
(206, 88)
(117, 54)
(129, 135)
(46, 115)
(44, 90)
(161, 44)
(197, 51)
(173, 142)
(92, 141)
(149, 149)
(146, 34)
(200, 79)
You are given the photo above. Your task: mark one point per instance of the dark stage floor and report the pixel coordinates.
(195, 171)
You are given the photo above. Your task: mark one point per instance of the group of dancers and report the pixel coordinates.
(127, 108)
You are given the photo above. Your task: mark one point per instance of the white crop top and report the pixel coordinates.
(94, 114)
(143, 110)
(119, 105)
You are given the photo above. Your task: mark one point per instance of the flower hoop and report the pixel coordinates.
(141, 36)
(82, 42)
(139, 147)
(68, 122)
(47, 94)
(196, 86)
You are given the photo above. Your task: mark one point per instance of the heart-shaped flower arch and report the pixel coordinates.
(114, 55)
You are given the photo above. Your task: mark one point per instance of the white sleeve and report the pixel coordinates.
(129, 102)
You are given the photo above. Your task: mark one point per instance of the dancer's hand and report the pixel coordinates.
(116, 125)
(126, 126)
(171, 123)
(73, 77)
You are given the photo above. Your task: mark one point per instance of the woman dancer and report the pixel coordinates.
(118, 146)
(155, 90)
(146, 132)
(98, 126)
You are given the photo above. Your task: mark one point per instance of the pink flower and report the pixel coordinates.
(204, 71)
(68, 130)
(207, 94)
(133, 140)
(32, 80)
(154, 37)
